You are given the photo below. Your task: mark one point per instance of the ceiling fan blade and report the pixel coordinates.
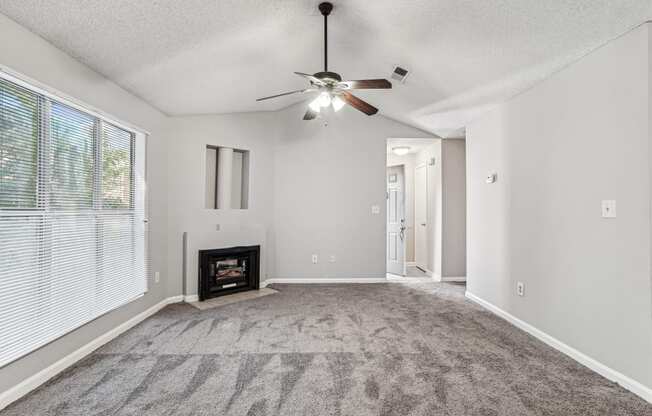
(310, 114)
(311, 78)
(285, 93)
(365, 84)
(358, 104)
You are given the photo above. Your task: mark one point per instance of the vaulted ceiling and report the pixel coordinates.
(218, 56)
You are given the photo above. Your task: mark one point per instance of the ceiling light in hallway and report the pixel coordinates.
(401, 150)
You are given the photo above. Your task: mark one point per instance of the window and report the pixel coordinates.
(72, 135)
(227, 178)
(19, 133)
(72, 229)
(116, 167)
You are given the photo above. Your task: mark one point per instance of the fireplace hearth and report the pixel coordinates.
(228, 270)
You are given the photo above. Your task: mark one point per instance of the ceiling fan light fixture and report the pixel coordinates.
(333, 92)
(338, 103)
(324, 99)
(401, 150)
(315, 105)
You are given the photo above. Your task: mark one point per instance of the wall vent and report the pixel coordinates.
(399, 74)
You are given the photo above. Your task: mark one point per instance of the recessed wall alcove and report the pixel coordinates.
(227, 178)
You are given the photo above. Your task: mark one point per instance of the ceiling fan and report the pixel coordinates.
(333, 92)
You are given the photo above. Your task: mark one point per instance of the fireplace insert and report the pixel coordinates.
(228, 270)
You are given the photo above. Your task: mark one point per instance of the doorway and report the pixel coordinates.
(426, 209)
(410, 232)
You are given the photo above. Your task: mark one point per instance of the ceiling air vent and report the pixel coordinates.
(399, 74)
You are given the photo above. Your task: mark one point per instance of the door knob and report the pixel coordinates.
(423, 224)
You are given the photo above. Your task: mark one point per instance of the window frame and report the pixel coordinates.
(42, 196)
(138, 190)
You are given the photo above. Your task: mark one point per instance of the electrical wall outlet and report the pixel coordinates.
(375, 209)
(520, 288)
(157, 277)
(315, 259)
(332, 258)
(217, 227)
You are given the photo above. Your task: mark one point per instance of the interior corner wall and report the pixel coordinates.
(326, 180)
(255, 132)
(33, 57)
(580, 137)
(453, 160)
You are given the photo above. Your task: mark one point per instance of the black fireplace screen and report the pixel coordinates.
(228, 270)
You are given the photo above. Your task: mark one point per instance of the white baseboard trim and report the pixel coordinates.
(411, 263)
(454, 279)
(190, 298)
(326, 280)
(9, 396)
(605, 371)
(174, 299)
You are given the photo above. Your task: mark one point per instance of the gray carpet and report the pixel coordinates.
(384, 349)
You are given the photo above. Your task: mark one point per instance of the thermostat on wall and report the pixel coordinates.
(491, 177)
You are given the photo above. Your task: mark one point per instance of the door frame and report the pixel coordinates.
(423, 267)
(434, 203)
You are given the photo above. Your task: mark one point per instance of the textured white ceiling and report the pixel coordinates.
(218, 56)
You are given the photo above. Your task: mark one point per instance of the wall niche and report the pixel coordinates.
(227, 178)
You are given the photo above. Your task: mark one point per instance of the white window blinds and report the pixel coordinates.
(72, 219)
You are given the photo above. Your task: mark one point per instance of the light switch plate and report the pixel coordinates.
(609, 208)
(375, 209)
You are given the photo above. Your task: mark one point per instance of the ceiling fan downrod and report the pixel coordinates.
(325, 8)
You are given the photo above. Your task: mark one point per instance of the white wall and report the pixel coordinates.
(559, 149)
(311, 191)
(326, 180)
(408, 161)
(453, 161)
(256, 132)
(33, 57)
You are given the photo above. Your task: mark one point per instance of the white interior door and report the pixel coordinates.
(395, 221)
(421, 216)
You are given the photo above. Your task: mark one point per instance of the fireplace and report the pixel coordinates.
(228, 270)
